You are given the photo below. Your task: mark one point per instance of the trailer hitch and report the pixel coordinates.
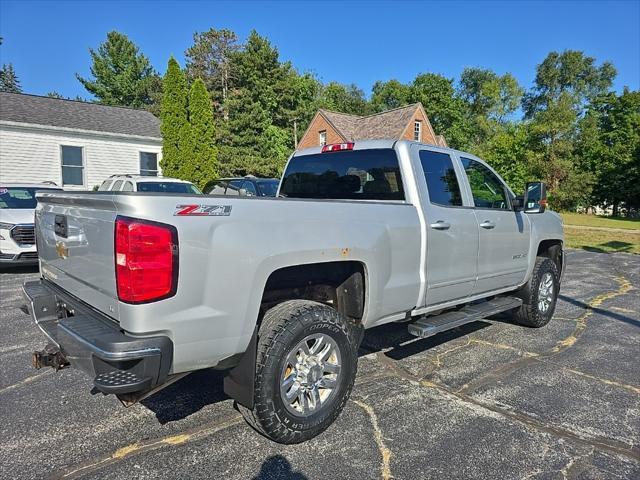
(50, 356)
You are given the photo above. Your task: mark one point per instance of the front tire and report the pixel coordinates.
(539, 295)
(305, 368)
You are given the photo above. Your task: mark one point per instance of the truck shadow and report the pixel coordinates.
(399, 344)
(204, 387)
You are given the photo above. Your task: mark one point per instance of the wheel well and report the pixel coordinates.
(553, 250)
(339, 284)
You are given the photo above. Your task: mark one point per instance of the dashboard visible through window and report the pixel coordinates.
(487, 189)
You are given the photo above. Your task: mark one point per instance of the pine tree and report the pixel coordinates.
(9, 81)
(122, 75)
(173, 119)
(200, 164)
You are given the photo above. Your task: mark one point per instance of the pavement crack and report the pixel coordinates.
(385, 466)
(581, 322)
(605, 444)
(146, 446)
(26, 381)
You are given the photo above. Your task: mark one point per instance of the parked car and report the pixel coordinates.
(17, 206)
(278, 291)
(249, 186)
(140, 183)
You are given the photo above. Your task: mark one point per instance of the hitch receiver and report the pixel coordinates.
(50, 356)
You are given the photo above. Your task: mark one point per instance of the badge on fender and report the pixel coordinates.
(203, 210)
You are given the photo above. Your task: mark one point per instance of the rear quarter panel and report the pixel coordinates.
(225, 262)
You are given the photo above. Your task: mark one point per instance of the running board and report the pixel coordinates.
(429, 326)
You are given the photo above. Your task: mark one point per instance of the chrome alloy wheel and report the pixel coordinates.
(310, 374)
(545, 292)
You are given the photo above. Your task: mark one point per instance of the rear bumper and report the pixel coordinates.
(118, 362)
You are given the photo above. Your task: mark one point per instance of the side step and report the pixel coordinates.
(429, 326)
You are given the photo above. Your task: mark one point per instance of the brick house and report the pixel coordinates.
(404, 123)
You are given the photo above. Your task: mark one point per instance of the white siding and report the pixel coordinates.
(34, 155)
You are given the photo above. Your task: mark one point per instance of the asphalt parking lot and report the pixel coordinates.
(488, 400)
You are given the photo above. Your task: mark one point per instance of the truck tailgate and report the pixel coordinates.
(75, 238)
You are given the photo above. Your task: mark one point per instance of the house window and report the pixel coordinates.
(148, 164)
(417, 131)
(72, 165)
(323, 138)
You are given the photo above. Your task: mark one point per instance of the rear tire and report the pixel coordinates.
(305, 368)
(539, 295)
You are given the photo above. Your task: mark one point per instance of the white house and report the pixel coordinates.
(74, 144)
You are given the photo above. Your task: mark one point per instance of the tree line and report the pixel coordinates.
(236, 108)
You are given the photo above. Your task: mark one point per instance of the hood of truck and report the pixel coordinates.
(16, 215)
(79, 258)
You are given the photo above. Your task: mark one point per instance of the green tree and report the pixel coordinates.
(209, 58)
(565, 83)
(174, 124)
(121, 74)
(389, 95)
(344, 98)
(609, 148)
(488, 94)
(199, 154)
(445, 110)
(9, 81)
(570, 73)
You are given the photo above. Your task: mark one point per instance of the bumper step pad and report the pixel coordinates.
(121, 381)
(429, 326)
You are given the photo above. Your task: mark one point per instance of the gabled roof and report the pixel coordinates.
(389, 124)
(56, 112)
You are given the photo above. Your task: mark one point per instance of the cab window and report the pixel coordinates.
(487, 189)
(250, 188)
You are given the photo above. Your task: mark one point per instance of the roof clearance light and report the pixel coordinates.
(338, 147)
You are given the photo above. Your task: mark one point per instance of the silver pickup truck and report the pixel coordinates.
(139, 288)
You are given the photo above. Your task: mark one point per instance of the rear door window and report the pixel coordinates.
(350, 175)
(116, 186)
(442, 182)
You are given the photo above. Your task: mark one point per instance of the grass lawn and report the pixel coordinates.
(596, 221)
(625, 237)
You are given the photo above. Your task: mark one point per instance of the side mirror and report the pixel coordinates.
(535, 198)
(242, 192)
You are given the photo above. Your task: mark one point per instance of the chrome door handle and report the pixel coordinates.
(440, 225)
(488, 224)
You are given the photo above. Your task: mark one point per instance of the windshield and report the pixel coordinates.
(351, 175)
(168, 187)
(21, 197)
(268, 188)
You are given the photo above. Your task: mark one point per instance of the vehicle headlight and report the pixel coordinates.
(7, 227)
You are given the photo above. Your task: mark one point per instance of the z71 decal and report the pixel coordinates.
(203, 210)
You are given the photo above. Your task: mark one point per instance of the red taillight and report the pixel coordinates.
(146, 260)
(338, 147)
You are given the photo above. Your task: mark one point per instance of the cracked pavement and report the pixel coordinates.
(488, 400)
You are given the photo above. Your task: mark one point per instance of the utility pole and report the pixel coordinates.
(295, 133)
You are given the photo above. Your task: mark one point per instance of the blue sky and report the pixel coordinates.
(358, 42)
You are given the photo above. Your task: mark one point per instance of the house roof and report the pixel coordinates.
(389, 124)
(56, 112)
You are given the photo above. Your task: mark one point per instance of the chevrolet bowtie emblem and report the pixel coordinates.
(63, 252)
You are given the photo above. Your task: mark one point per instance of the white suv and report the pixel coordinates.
(139, 183)
(17, 206)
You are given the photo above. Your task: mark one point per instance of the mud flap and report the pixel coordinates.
(240, 380)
